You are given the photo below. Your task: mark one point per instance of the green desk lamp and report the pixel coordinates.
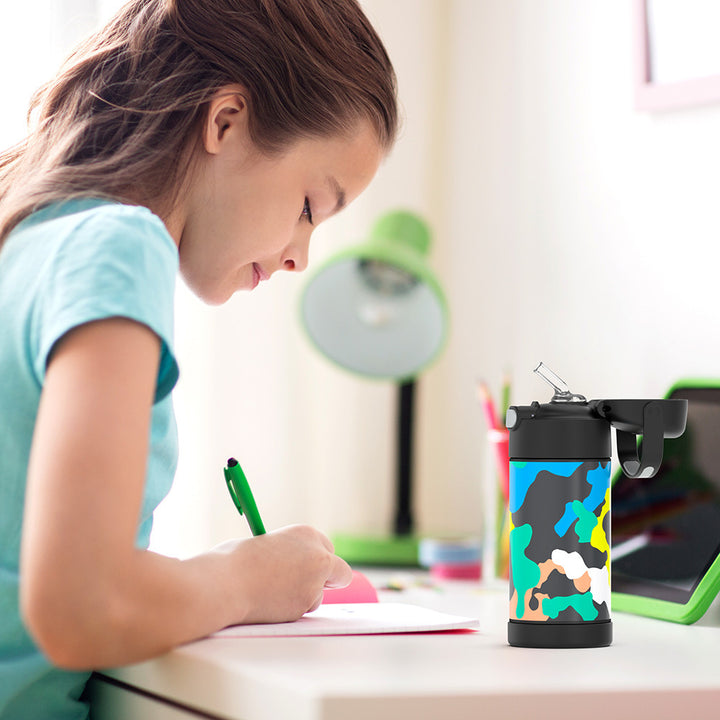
(377, 310)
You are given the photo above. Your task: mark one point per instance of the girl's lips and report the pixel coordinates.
(258, 275)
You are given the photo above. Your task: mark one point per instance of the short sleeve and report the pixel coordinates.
(115, 261)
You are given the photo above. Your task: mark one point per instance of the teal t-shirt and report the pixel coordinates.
(65, 265)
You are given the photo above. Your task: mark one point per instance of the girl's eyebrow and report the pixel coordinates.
(339, 193)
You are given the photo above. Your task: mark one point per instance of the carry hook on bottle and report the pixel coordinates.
(560, 507)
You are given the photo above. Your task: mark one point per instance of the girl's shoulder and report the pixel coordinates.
(95, 218)
(84, 260)
(85, 231)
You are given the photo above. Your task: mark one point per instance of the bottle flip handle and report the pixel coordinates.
(655, 420)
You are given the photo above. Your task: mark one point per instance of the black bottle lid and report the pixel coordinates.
(570, 427)
(557, 431)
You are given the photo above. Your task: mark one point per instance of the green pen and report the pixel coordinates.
(242, 496)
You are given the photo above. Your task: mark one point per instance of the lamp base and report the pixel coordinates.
(398, 550)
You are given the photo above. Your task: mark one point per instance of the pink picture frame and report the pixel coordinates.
(654, 96)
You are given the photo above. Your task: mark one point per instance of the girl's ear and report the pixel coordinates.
(226, 114)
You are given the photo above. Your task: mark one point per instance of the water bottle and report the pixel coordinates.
(560, 507)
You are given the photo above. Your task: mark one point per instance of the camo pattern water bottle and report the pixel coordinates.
(560, 508)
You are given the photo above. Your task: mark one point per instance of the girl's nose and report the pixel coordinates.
(296, 256)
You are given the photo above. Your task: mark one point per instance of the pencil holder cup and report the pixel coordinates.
(559, 502)
(496, 520)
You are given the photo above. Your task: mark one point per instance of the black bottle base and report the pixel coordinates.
(559, 635)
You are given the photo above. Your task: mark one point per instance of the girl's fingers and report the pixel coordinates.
(340, 574)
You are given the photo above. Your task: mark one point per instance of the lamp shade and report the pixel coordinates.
(377, 309)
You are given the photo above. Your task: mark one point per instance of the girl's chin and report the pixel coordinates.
(219, 293)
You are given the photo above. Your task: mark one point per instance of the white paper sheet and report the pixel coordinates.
(356, 619)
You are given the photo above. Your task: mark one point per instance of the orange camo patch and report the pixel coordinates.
(583, 583)
(536, 615)
(546, 568)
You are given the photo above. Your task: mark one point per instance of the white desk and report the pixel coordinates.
(654, 669)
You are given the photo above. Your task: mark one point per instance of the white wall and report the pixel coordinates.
(576, 231)
(569, 228)
(34, 38)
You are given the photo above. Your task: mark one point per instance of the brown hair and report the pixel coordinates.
(125, 110)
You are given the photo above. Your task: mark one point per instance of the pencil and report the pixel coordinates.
(497, 436)
(505, 402)
(487, 404)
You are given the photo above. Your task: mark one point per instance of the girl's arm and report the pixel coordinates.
(88, 596)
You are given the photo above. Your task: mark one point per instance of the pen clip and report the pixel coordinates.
(234, 493)
(242, 496)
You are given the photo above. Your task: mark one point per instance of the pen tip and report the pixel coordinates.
(232, 462)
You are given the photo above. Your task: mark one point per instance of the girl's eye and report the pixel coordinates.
(306, 212)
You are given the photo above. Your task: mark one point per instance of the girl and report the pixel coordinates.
(209, 135)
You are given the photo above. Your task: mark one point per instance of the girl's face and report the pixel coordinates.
(247, 215)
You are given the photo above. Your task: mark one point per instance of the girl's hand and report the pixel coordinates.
(88, 596)
(280, 576)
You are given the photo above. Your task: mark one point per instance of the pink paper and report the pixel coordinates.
(360, 590)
